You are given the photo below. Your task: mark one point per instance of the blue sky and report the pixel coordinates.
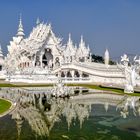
(112, 24)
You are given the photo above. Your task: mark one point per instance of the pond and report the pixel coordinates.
(96, 116)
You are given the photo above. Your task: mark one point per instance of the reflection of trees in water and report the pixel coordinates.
(42, 112)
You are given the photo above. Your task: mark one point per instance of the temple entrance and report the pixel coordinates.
(44, 60)
(47, 58)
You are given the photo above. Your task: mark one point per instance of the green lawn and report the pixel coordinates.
(98, 87)
(111, 89)
(4, 106)
(24, 85)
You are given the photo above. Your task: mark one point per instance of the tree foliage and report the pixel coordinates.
(100, 59)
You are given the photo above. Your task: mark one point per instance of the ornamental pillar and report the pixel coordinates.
(80, 75)
(33, 61)
(72, 74)
(65, 74)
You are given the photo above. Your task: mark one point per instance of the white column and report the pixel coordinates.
(65, 73)
(72, 74)
(34, 59)
(80, 75)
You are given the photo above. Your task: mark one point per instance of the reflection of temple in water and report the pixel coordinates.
(42, 112)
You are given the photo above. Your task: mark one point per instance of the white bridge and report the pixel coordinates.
(73, 73)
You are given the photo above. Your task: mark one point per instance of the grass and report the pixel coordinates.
(97, 87)
(110, 89)
(4, 106)
(24, 85)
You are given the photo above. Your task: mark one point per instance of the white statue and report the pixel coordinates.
(125, 60)
(130, 80)
(129, 72)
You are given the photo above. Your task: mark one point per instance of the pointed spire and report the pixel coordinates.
(1, 54)
(50, 25)
(82, 43)
(37, 21)
(70, 49)
(20, 32)
(50, 28)
(82, 38)
(106, 57)
(69, 41)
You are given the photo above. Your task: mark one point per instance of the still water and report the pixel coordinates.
(97, 116)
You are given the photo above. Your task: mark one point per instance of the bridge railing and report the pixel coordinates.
(76, 79)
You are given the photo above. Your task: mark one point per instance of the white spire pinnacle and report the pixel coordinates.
(106, 57)
(70, 49)
(82, 43)
(82, 38)
(37, 21)
(20, 32)
(70, 42)
(69, 38)
(1, 54)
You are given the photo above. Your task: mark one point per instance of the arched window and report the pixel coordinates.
(57, 63)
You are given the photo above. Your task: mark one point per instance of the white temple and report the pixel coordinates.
(42, 57)
(42, 53)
